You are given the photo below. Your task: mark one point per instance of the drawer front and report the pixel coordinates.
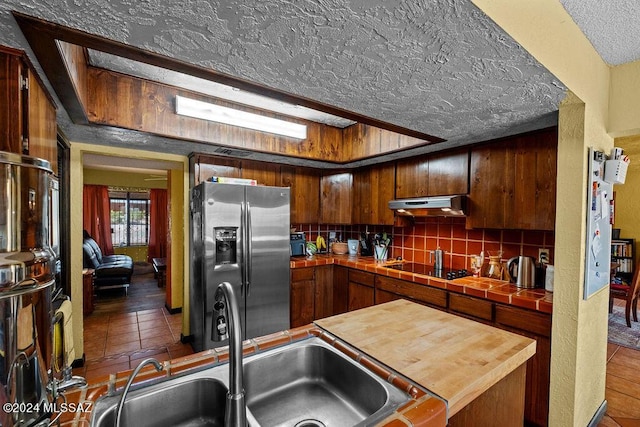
(475, 307)
(526, 320)
(433, 296)
(301, 274)
(362, 277)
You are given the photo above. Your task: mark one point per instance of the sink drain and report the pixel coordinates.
(310, 423)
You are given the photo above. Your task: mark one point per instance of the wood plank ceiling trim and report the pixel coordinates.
(87, 94)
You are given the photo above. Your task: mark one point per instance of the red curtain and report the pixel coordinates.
(97, 216)
(158, 223)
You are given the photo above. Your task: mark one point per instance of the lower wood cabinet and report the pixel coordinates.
(302, 296)
(323, 292)
(361, 289)
(473, 308)
(427, 295)
(538, 327)
(340, 289)
(311, 294)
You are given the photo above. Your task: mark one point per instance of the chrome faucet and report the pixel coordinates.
(226, 324)
(67, 382)
(135, 372)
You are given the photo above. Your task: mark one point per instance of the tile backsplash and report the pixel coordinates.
(414, 243)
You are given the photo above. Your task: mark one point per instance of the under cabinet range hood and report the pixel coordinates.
(430, 206)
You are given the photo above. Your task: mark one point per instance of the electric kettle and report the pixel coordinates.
(525, 271)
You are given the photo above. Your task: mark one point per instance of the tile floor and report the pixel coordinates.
(623, 387)
(117, 342)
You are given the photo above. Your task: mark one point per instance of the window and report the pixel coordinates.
(129, 218)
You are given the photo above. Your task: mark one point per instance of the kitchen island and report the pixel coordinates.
(476, 369)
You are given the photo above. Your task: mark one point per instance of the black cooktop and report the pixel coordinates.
(428, 270)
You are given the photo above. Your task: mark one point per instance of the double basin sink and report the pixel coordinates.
(305, 384)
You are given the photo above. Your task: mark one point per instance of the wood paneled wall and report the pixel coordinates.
(76, 64)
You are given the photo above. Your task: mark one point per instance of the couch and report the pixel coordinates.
(110, 271)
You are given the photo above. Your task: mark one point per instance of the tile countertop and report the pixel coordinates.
(482, 287)
(422, 410)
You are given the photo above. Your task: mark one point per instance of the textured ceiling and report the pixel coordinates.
(612, 27)
(438, 67)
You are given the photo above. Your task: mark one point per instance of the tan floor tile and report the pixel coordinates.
(154, 332)
(94, 350)
(122, 348)
(152, 324)
(122, 339)
(120, 329)
(608, 422)
(97, 325)
(628, 422)
(94, 337)
(155, 317)
(621, 405)
(107, 361)
(176, 334)
(129, 320)
(146, 353)
(157, 341)
(95, 353)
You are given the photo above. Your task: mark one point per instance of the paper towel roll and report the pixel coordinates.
(548, 279)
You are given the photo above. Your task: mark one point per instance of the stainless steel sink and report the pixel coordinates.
(304, 384)
(314, 385)
(180, 402)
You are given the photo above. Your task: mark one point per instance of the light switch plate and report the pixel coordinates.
(543, 256)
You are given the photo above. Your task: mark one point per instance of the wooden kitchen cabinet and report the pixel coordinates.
(373, 187)
(305, 193)
(340, 289)
(538, 327)
(302, 296)
(264, 173)
(311, 294)
(474, 308)
(513, 183)
(336, 198)
(28, 113)
(203, 167)
(361, 289)
(323, 292)
(433, 175)
(430, 296)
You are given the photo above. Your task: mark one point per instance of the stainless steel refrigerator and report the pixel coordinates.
(240, 235)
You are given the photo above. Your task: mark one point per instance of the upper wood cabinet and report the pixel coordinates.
(204, 167)
(336, 198)
(433, 175)
(264, 173)
(513, 183)
(27, 112)
(305, 193)
(373, 187)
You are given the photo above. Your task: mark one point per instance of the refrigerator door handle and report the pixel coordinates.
(243, 242)
(249, 249)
